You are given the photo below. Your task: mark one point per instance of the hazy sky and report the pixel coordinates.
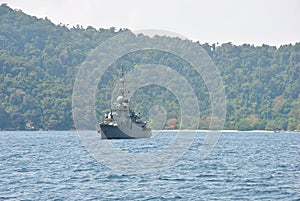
(272, 22)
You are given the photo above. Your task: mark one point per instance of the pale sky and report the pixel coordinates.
(272, 22)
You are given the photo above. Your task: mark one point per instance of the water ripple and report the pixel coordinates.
(243, 166)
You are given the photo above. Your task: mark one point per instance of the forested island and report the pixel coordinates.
(39, 61)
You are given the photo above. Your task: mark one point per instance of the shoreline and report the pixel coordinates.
(176, 130)
(230, 131)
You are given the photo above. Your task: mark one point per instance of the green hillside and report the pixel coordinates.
(39, 61)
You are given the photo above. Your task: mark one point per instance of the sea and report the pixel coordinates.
(55, 165)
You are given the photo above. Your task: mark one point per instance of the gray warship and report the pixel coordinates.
(121, 122)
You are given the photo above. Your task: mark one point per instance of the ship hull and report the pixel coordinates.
(114, 132)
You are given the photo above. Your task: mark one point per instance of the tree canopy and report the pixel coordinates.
(39, 61)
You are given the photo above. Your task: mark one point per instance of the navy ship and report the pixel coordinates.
(121, 122)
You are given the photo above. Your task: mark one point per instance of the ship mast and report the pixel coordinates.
(122, 102)
(122, 82)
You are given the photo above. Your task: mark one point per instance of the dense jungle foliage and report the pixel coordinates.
(39, 61)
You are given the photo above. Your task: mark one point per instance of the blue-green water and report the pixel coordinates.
(243, 166)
